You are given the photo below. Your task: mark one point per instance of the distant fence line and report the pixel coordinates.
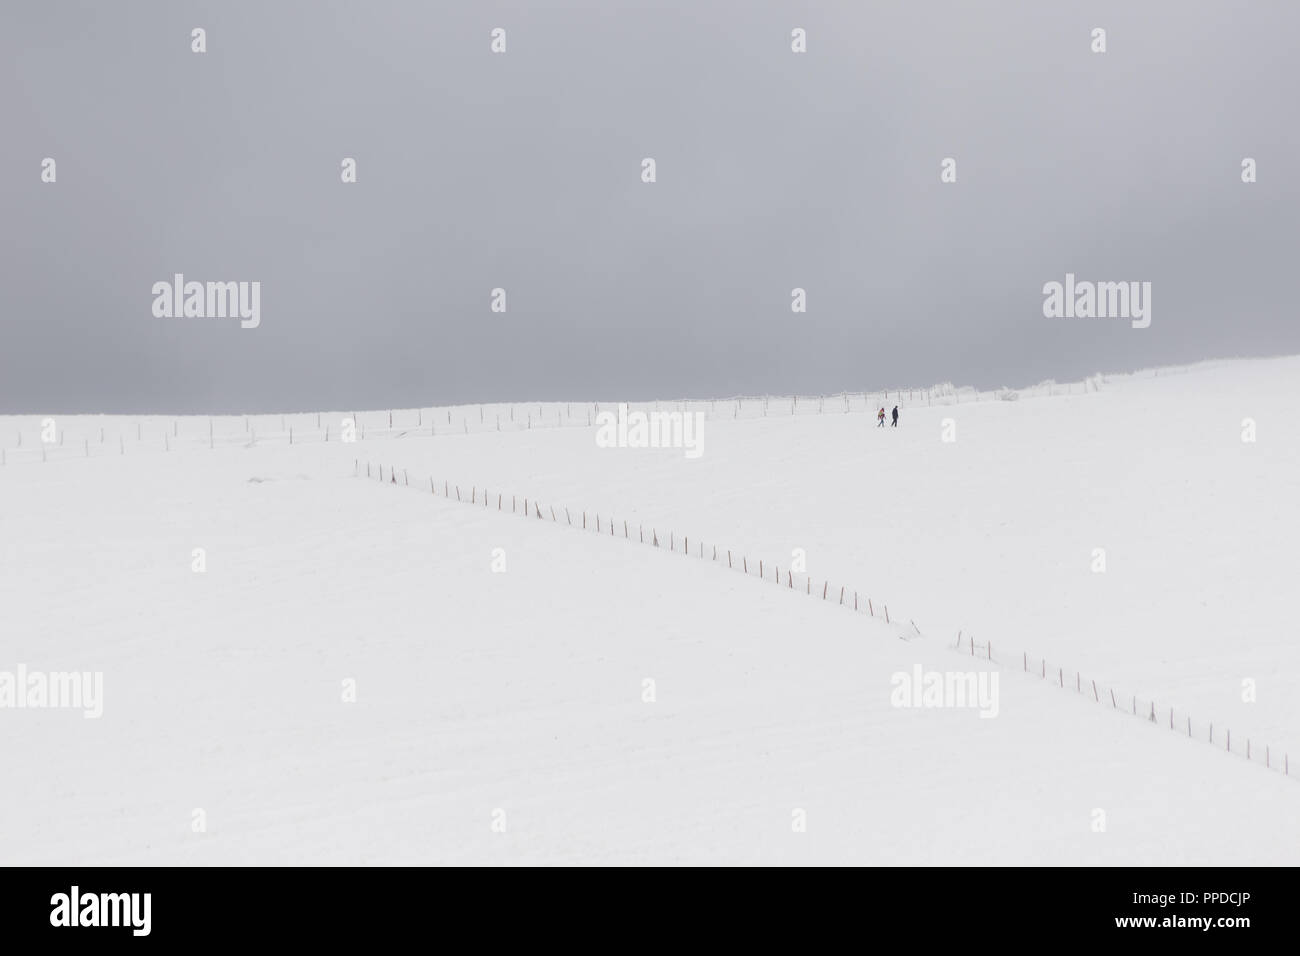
(841, 596)
(164, 433)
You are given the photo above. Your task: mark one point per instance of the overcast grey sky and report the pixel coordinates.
(522, 170)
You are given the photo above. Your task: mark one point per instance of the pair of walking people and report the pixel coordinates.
(880, 418)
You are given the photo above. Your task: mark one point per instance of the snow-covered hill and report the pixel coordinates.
(516, 700)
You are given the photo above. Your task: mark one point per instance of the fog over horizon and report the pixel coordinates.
(522, 170)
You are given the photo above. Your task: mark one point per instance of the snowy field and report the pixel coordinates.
(503, 717)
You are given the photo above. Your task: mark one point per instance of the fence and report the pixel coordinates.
(1067, 678)
(675, 543)
(841, 596)
(98, 436)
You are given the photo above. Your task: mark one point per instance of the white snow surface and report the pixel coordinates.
(500, 718)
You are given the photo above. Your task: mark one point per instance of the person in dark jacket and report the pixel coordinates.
(895, 424)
